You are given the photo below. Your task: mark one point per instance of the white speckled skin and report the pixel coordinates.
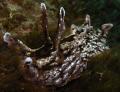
(67, 58)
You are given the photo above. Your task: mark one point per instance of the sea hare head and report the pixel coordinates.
(28, 70)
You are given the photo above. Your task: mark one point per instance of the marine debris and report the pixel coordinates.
(59, 61)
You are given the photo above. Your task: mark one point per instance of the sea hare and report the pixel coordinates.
(59, 61)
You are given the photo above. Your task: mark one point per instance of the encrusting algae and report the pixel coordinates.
(59, 61)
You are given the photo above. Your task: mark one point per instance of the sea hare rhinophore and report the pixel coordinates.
(63, 59)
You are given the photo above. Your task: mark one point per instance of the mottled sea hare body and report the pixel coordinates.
(66, 58)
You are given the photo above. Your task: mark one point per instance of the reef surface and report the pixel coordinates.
(97, 76)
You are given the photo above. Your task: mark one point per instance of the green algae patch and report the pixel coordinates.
(13, 82)
(105, 71)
